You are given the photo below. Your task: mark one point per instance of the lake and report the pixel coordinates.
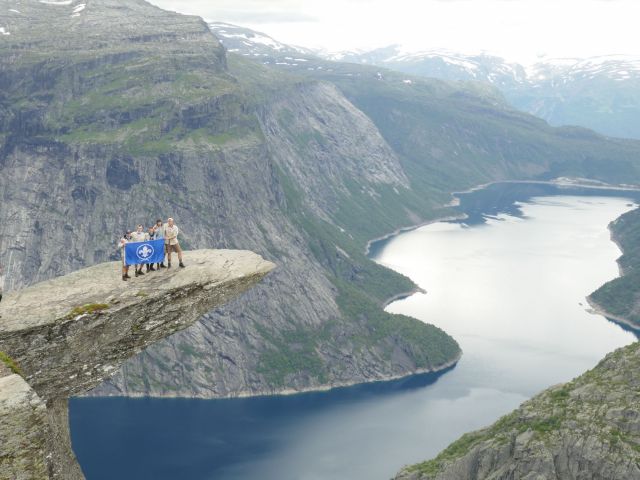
(509, 283)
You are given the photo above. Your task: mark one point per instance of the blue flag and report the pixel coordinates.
(144, 252)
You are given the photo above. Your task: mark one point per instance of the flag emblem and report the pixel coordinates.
(144, 251)
(136, 253)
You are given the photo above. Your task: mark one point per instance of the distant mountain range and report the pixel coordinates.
(601, 93)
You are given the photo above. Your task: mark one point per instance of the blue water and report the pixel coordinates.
(509, 285)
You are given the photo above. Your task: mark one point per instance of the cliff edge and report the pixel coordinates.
(65, 336)
(588, 428)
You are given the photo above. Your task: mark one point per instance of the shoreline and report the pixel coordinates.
(454, 202)
(400, 296)
(409, 228)
(598, 310)
(290, 391)
(555, 183)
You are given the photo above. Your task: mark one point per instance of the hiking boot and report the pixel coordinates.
(169, 265)
(181, 265)
(136, 273)
(140, 272)
(162, 265)
(152, 268)
(125, 278)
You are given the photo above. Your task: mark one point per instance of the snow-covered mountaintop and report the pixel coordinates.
(251, 43)
(599, 92)
(493, 69)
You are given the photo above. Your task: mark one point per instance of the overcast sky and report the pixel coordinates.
(519, 30)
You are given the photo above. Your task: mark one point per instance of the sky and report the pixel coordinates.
(519, 30)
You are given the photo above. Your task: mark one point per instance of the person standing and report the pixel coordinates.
(150, 235)
(138, 236)
(171, 232)
(159, 233)
(121, 244)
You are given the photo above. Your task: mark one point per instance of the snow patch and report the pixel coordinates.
(3, 31)
(14, 10)
(56, 2)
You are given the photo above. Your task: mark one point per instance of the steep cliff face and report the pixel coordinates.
(133, 123)
(24, 429)
(586, 429)
(68, 334)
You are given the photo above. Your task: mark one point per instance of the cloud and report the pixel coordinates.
(519, 30)
(242, 11)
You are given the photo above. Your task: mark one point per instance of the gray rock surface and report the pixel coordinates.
(23, 430)
(118, 112)
(587, 429)
(70, 333)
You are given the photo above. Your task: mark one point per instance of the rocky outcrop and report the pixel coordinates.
(23, 429)
(586, 429)
(69, 334)
(122, 103)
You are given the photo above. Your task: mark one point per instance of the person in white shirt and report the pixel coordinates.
(125, 268)
(171, 232)
(139, 236)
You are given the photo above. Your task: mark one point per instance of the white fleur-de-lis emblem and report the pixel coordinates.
(144, 251)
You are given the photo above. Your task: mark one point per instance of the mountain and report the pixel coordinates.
(256, 44)
(440, 64)
(587, 428)
(448, 136)
(600, 93)
(124, 112)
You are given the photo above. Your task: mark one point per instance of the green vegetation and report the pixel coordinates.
(89, 308)
(293, 352)
(363, 287)
(557, 413)
(621, 296)
(10, 363)
(452, 136)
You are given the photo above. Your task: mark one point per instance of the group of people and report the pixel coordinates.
(168, 231)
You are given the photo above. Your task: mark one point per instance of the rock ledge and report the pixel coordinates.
(69, 334)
